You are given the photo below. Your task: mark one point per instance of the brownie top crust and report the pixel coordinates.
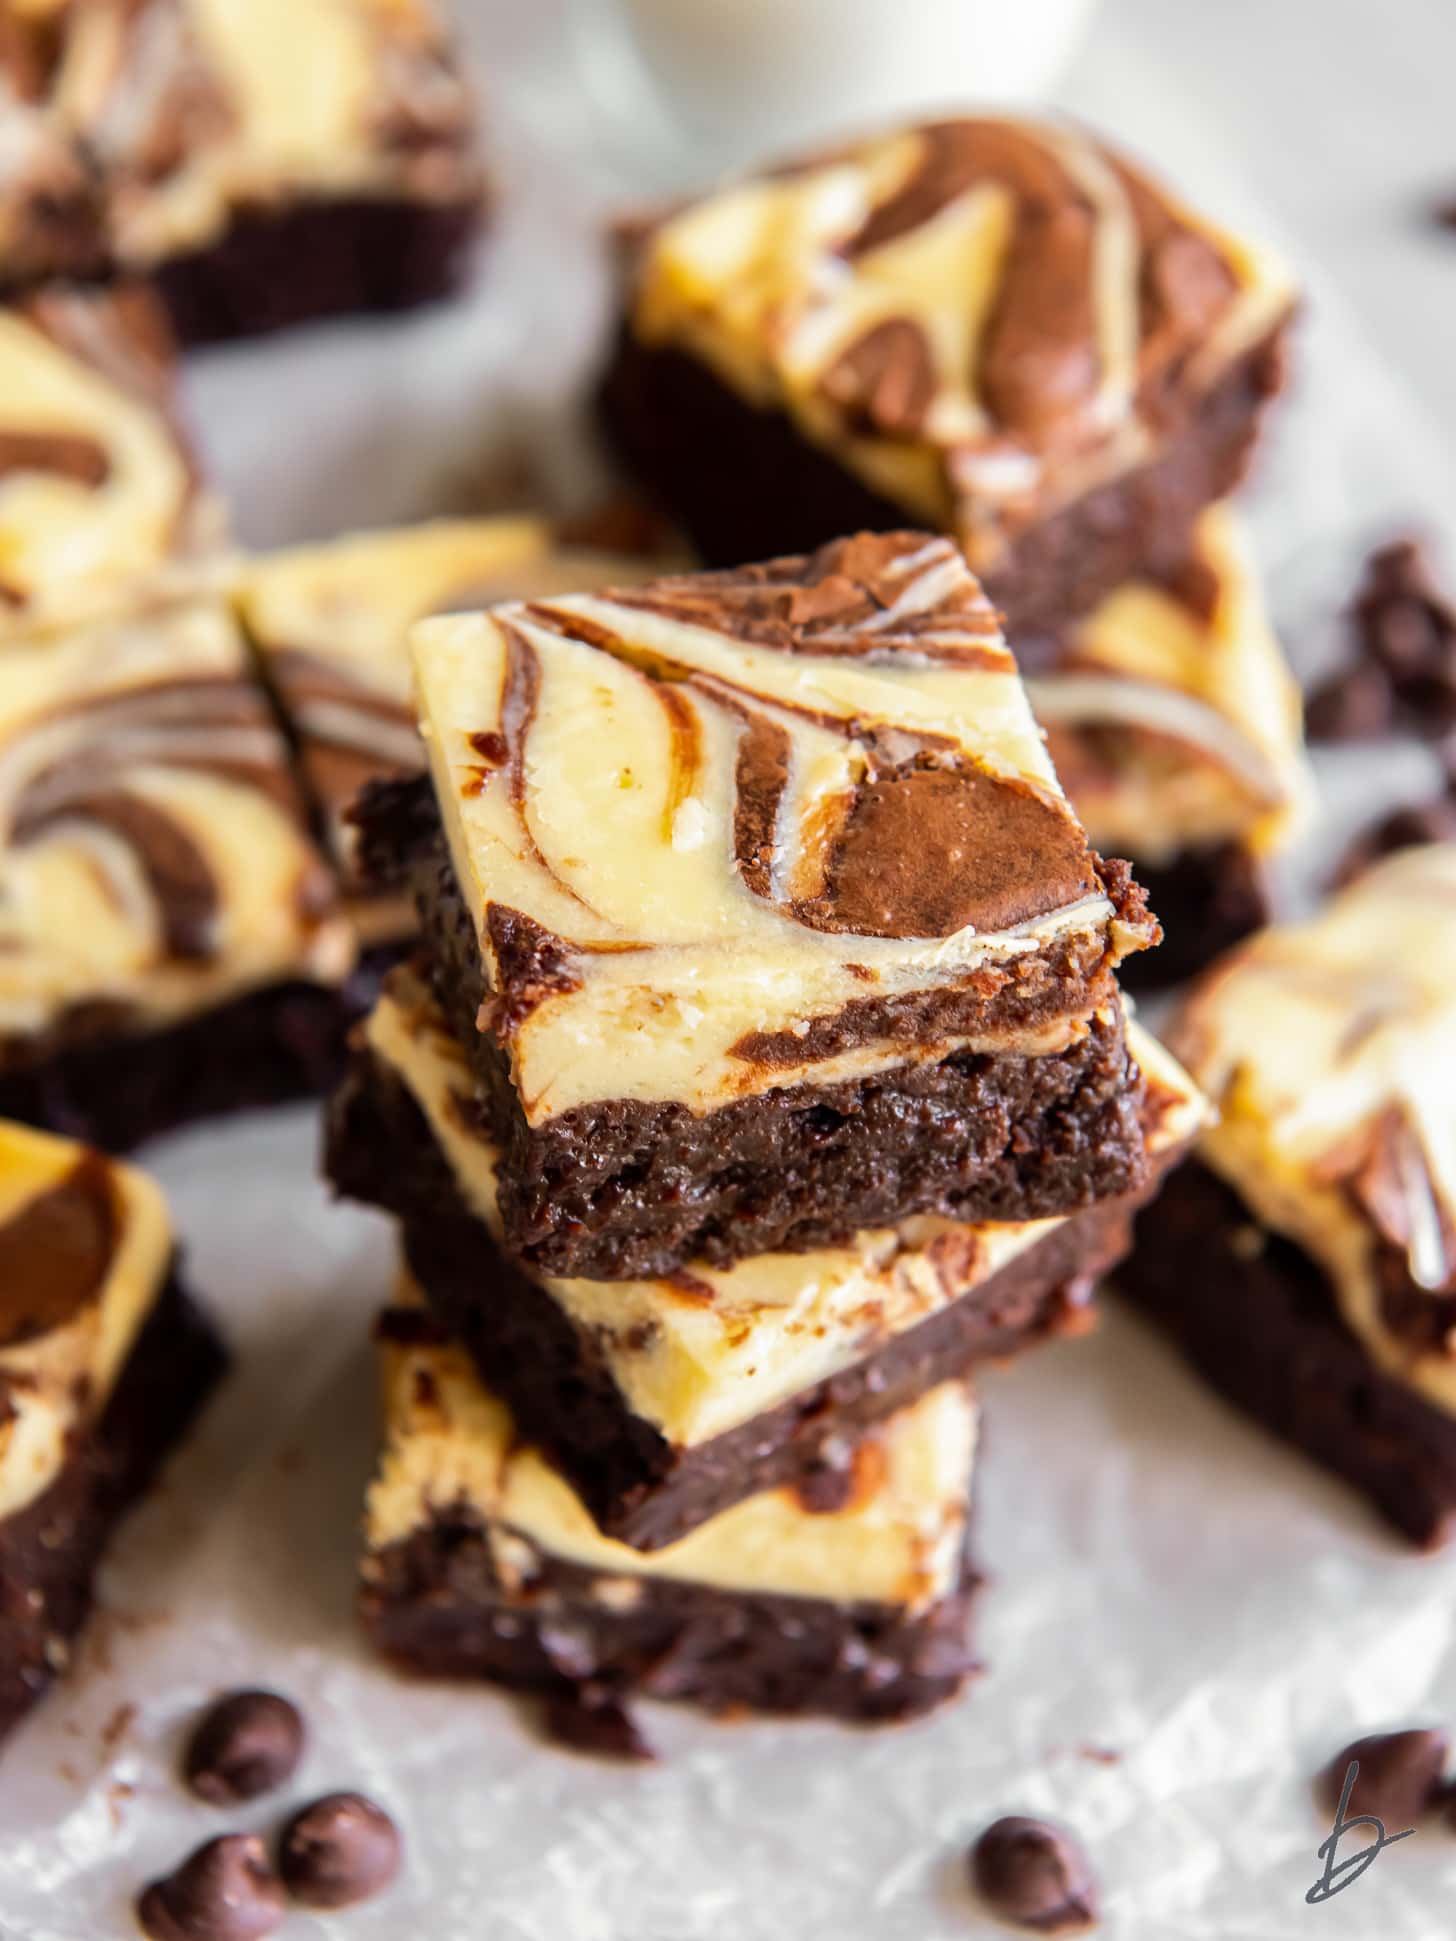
(98, 492)
(694, 819)
(1171, 713)
(981, 319)
(332, 622)
(85, 1249)
(450, 1447)
(153, 854)
(701, 1351)
(1325, 1046)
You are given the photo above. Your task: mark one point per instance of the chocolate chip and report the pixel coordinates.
(226, 1891)
(245, 1744)
(585, 1721)
(1034, 1876)
(1444, 212)
(1405, 625)
(1356, 705)
(340, 1850)
(1433, 821)
(1399, 1777)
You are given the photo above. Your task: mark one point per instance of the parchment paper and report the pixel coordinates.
(1184, 1622)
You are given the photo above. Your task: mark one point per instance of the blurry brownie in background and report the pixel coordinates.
(170, 939)
(104, 1362)
(100, 499)
(1174, 723)
(999, 329)
(1305, 1260)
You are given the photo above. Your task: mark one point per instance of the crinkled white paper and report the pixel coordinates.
(1184, 1620)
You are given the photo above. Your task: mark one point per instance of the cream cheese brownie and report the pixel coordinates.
(331, 624)
(103, 1364)
(665, 1401)
(762, 914)
(99, 495)
(480, 1562)
(346, 178)
(1307, 1262)
(997, 328)
(1173, 721)
(169, 936)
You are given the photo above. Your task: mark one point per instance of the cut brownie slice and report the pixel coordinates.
(482, 1563)
(1308, 1263)
(997, 328)
(762, 914)
(103, 1364)
(665, 1401)
(99, 496)
(331, 623)
(1174, 723)
(169, 936)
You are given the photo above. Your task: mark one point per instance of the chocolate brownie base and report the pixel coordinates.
(640, 1487)
(625, 1188)
(268, 1047)
(1257, 1318)
(49, 1550)
(1207, 900)
(745, 484)
(278, 266)
(435, 1604)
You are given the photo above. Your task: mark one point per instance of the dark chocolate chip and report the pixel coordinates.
(1405, 624)
(587, 1722)
(1433, 821)
(341, 1849)
(1356, 705)
(226, 1891)
(1444, 212)
(1034, 1876)
(1399, 1777)
(245, 1744)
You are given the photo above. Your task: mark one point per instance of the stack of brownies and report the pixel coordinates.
(1003, 330)
(763, 1068)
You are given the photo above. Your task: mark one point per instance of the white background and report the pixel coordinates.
(1168, 1586)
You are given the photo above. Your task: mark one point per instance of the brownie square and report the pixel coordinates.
(1000, 329)
(481, 1563)
(663, 1402)
(1174, 723)
(761, 913)
(100, 499)
(1307, 1265)
(104, 1362)
(170, 940)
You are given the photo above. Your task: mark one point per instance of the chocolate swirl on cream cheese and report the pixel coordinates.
(56, 1252)
(1329, 1048)
(980, 317)
(154, 853)
(740, 802)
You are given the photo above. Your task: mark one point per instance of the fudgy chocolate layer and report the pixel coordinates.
(625, 1188)
(638, 1485)
(1207, 900)
(49, 1550)
(746, 485)
(97, 1082)
(435, 1604)
(1257, 1318)
(277, 266)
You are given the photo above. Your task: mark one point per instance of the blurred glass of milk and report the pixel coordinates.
(689, 88)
